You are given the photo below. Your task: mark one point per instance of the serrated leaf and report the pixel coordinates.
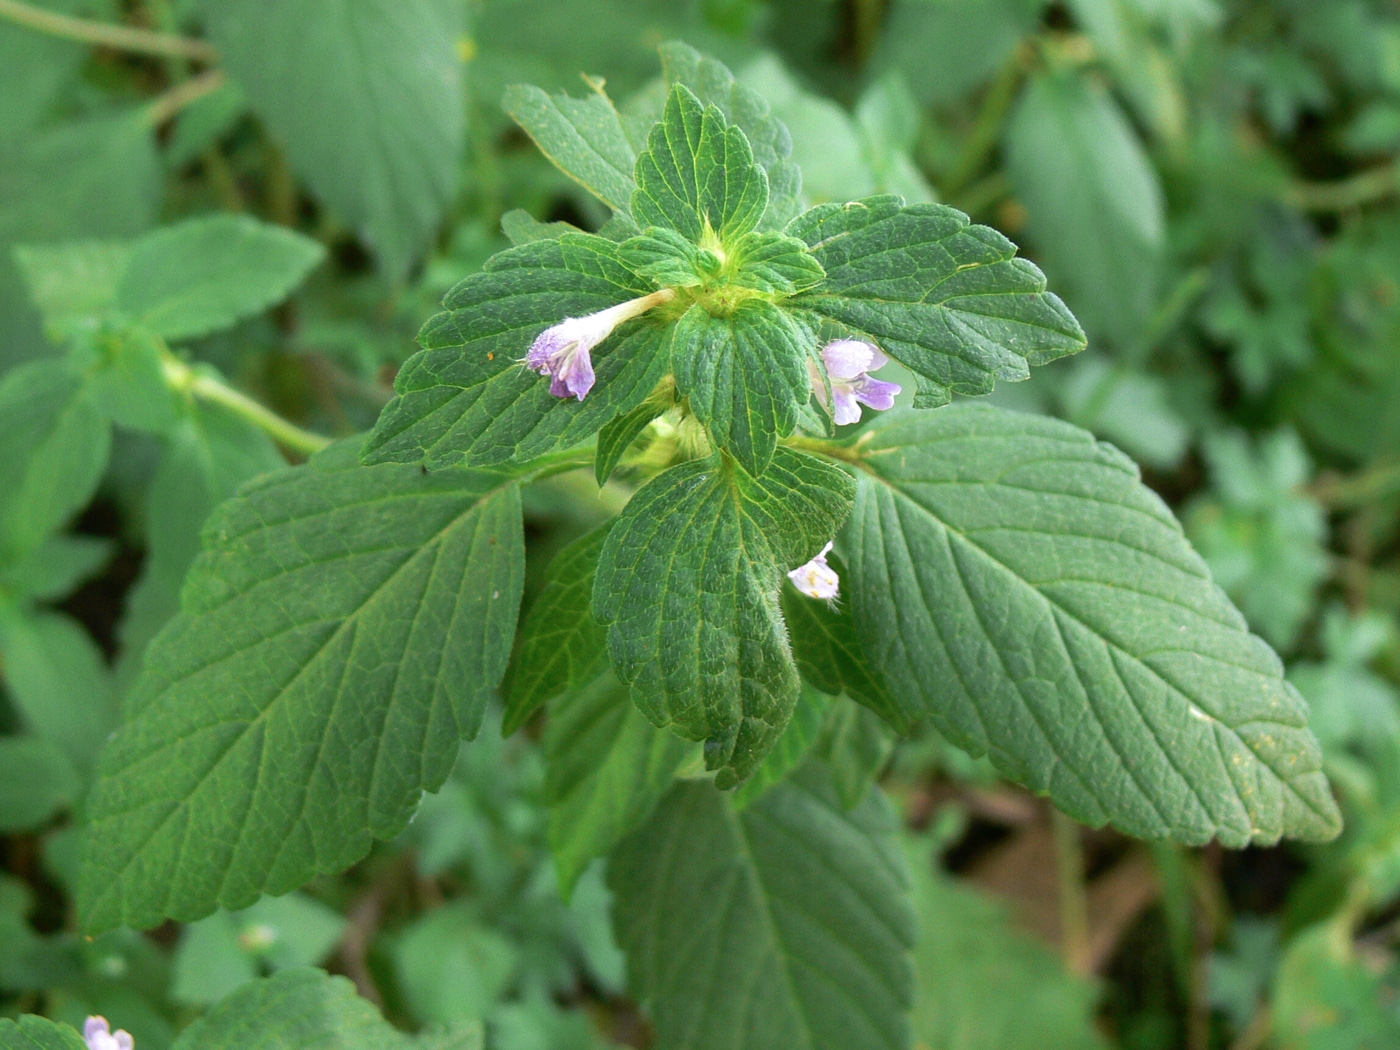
(749, 111)
(206, 274)
(520, 227)
(366, 98)
(607, 769)
(787, 925)
(792, 748)
(744, 374)
(616, 437)
(855, 745)
(126, 378)
(1095, 203)
(38, 1033)
(666, 258)
(561, 646)
(698, 173)
(1012, 580)
(583, 138)
(54, 444)
(467, 397)
(774, 262)
(207, 455)
(688, 583)
(350, 621)
(947, 299)
(298, 1009)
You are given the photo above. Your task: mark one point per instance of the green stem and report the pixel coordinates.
(211, 388)
(165, 107)
(846, 453)
(1074, 901)
(1375, 483)
(104, 34)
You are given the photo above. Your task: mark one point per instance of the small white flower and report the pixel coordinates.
(100, 1037)
(849, 363)
(817, 579)
(564, 351)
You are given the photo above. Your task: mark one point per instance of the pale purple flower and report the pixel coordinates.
(849, 363)
(564, 351)
(100, 1037)
(817, 579)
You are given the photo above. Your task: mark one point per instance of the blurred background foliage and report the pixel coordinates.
(1210, 184)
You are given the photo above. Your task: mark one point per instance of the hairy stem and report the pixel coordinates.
(211, 388)
(104, 34)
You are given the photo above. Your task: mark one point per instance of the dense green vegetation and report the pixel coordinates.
(362, 686)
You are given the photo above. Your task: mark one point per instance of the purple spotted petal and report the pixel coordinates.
(877, 393)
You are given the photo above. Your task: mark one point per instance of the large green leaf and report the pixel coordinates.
(948, 299)
(561, 645)
(584, 138)
(745, 375)
(467, 397)
(784, 926)
(302, 1009)
(688, 583)
(608, 767)
(338, 636)
(36, 781)
(53, 448)
(38, 1033)
(1096, 211)
(205, 274)
(366, 97)
(1013, 580)
(698, 173)
(748, 111)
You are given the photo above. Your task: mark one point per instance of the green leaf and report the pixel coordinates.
(698, 174)
(53, 448)
(774, 262)
(126, 376)
(786, 925)
(38, 1033)
(54, 568)
(608, 767)
(206, 274)
(74, 282)
(749, 111)
(792, 748)
(59, 683)
(1096, 211)
(367, 100)
(855, 745)
(561, 646)
(968, 955)
(350, 621)
(688, 583)
(1012, 580)
(617, 437)
(520, 227)
(467, 397)
(947, 299)
(452, 967)
(226, 950)
(583, 138)
(37, 66)
(667, 259)
(207, 456)
(300, 1009)
(745, 375)
(827, 649)
(36, 781)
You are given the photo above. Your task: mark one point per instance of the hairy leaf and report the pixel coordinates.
(38, 1033)
(688, 583)
(698, 173)
(947, 299)
(337, 638)
(745, 375)
(1012, 580)
(792, 747)
(467, 397)
(786, 925)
